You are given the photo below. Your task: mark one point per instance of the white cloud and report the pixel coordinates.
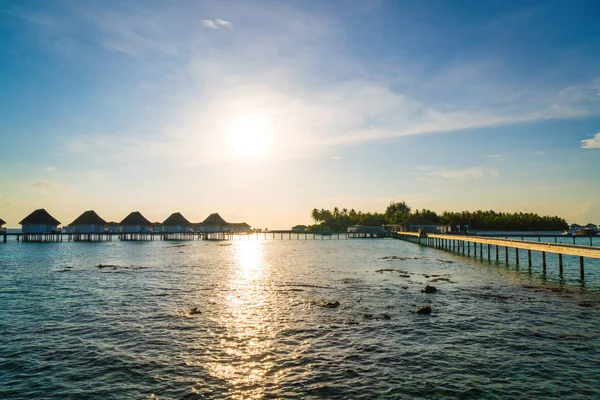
(50, 169)
(593, 143)
(45, 184)
(223, 23)
(493, 156)
(209, 23)
(216, 24)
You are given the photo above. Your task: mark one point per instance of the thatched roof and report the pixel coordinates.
(2, 221)
(176, 219)
(214, 220)
(418, 221)
(88, 218)
(238, 225)
(40, 217)
(135, 218)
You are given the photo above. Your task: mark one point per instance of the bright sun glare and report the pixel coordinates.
(249, 136)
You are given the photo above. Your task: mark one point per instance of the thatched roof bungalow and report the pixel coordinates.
(2, 223)
(213, 223)
(239, 227)
(39, 221)
(88, 222)
(299, 228)
(176, 223)
(135, 222)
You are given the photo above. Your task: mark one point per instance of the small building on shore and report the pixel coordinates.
(416, 224)
(239, 227)
(39, 221)
(135, 222)
(88, 222)
(176, 223)
(369, 225)
(213, 223)
(299, 228)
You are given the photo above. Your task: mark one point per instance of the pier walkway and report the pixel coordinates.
(469, 244)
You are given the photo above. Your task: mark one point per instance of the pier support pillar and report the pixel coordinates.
(544, 262)
(581, 270)
(529, 258)
(560, 265)
(517, 255)
(506, 253)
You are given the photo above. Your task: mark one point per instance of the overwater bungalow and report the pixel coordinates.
(88, 222)
(299, 228)
(176, 223)
(213, 223)
(239, 227)
(113, 227)
(416, 224)
(1, 224)
(39, 221)
(135, 222)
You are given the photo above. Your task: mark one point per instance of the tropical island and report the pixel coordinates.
(398, 213)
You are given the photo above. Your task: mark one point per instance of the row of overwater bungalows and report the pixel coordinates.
(40, 221)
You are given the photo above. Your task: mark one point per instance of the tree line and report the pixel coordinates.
(398, 212)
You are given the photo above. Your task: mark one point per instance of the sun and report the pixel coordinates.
(249, 136)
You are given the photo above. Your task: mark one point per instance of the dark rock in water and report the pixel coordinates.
(429, 289)
(423, 310)
(195, 311)
(107, 266)
(386, 317)
(586, 304)
(329, 304)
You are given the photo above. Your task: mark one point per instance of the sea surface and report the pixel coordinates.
(251, 319)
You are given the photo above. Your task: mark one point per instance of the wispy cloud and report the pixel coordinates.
(474, 173)
(494, 156)
(215, 24)
(45, 184)
(593, 143)
(50, 169)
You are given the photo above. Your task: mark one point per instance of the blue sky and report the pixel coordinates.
(262, 111)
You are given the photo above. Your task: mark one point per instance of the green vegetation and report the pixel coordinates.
(396, 213)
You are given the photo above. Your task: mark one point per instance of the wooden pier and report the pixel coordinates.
(469, 244)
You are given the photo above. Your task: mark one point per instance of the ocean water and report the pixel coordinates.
(257, 319)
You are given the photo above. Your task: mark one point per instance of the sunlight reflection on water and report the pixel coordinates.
(247, 323)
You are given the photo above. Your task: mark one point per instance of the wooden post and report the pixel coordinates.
(496, 252)
(489, 252)
(469, 249)
(544, 262)
(560, 265)
(581, 271)
(517, 254)
(480, 250)
(506, 253)
(475, 250)
(529, 258)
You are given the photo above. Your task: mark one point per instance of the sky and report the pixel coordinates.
(264, 110)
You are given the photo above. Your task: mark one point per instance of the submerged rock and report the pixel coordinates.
(329, 304)
(423, 310)
(195, 311)
(429, 289)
